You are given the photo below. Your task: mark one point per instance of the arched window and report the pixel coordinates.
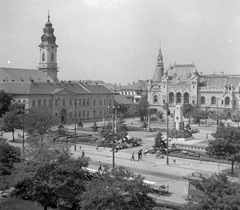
(202, 100)
(52, 57)
(186, 98)
(213, 100)
(43, 57)
(155, 99)
(227, 101)
(171, 98)
(179, 96)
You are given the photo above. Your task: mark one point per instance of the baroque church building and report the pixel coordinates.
(68, 100)
(181, 84)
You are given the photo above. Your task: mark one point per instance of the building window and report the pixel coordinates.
(110, 111)
(43, 57)
(33, 103)
(100, 102)
(213, 100)
(39, 103)
(44, 102)
(87, 113)
(105, 101)
(179, 96)
(50, 103)
(88, 101)
(79, 114)
(70, 114)
(52, 57)
(202, 100)
(56, 114)
(83, 113)
(70, 102)
(164, 101)
(63, 102)
(79, 101)
(84, 101)
(171, 98)
(94, 102)
(110, 102)
(100, 112)
(94, 112)
(227, 101)
(56, 102)
(186, 98)
(155, 99)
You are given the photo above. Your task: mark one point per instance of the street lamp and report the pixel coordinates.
(167, 111)
(114, 128)
(75, 123)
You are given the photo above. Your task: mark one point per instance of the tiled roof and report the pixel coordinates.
(120, 99)
(98, 89)
(15, 87)
(22, 75)
(181, 72)
(219, 81)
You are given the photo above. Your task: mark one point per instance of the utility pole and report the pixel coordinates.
(167, 160)
(75, 132)
(114, 134)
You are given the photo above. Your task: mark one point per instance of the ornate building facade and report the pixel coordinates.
(181, 83)
(42, 88)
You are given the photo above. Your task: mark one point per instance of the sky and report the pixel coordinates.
(117, 41)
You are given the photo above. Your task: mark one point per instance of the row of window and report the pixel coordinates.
(178, 98)
(79, 102)
(214, 101)
(52, 57)
(82, 114)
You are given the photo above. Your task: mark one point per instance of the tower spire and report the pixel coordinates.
(48, 16)
(159, 67)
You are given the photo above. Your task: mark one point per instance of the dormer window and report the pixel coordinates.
(43, 57)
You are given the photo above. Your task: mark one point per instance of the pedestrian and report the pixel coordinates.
(133, 158)
(83, 153)
(199, 156)
(174, 161)
(97, 147)
(139, 155)
(100, 166)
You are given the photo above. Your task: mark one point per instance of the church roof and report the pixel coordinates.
(22, 75)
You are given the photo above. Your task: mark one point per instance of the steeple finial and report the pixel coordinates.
(48, 16)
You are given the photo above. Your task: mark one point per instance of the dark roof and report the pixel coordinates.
(219, 81)
(182, 72)
(98, 89)
(120, 99)
(22, 75)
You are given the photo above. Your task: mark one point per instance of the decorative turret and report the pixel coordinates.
(48, 51)
(159, 68)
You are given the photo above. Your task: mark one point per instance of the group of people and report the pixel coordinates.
(139, 155)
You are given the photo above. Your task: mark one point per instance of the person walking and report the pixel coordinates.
(100, 166)
(139, 155)
(133, 158)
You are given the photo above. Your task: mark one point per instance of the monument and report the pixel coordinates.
(178, 118)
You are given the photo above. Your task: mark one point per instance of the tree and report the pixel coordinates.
(159, 115)
(187, 111)
(8, 156)
(12, 121)
(218, 193)
(236, 118)
(140, 109)
(38, 121)
(226, 145)
(117, 189)
(198, 114)
(57, 179)
(159, 143)
(5, 101)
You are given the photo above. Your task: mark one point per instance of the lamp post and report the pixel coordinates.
(167, 111)
(75, 128)
(23, 136)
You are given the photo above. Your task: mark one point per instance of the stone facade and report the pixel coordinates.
(181, 83)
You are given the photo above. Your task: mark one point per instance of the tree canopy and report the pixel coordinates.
(117, 189)
(140, 109)
(5, 101)
(226, 145)
(38, 121)
(218, 193)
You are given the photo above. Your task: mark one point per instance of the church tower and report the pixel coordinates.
(48, 52)
(159, 68)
